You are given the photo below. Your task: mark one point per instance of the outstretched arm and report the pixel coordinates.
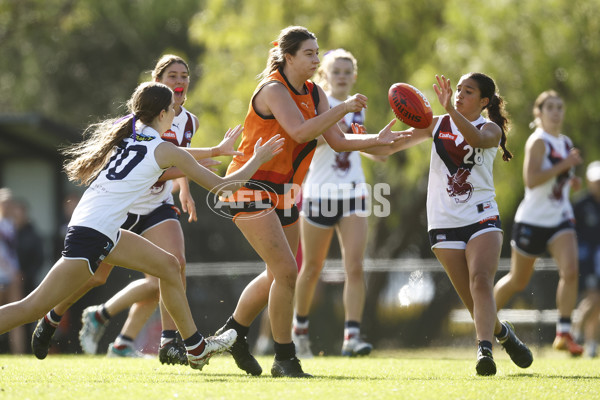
(225, 148)
(488, 136)
(168, 154)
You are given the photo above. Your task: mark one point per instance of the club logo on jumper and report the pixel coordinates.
(188, 135)
(458, 187)
(342, 163)
(447, 136)
(157, 188)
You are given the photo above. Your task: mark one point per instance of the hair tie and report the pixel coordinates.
(133, 133)
(275, 43)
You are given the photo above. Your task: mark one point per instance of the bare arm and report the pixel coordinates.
(533, 174)
(488, 136)
(167, 154)
(174, 172)
(225, 148)
(274, 99)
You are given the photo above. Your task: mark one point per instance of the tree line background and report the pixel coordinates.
(77, 61)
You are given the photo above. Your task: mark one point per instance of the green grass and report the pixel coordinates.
(423, 374)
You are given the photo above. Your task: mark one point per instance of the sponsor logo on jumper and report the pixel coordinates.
(169, 135)
(447, 135)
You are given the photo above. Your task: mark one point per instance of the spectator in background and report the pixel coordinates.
(30, 251)
(30, 247)
(587, 226)
(11, 288)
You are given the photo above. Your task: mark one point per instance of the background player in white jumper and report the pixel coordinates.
(119, 161)
(544, 219)
(462, 214)
(155, 217)
(334, 195)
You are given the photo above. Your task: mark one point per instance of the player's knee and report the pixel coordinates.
(169, 267)
(482, 281)
(354, 272)
(153, 286)
(570, 273)
(287, 275)
(311, 270)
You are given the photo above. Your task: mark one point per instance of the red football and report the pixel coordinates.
(410, 105)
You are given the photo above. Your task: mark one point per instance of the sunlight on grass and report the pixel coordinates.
(414, 374)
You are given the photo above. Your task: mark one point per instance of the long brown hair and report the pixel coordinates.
(288, 42)
(87, 159)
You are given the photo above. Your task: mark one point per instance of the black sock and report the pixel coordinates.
(124, 337)
(241, 330)
(53, 318)
(564, 320)
(284, 351)
(352, 324)
(485, 344)
(301, 318)
(503, 334)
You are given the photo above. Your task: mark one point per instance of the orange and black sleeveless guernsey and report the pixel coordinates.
(278, 180)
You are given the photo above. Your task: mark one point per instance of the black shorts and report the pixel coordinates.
(457, 238)
(287, 217)
(327, 212)
(533, 240)
(139, 224)
(88, 244)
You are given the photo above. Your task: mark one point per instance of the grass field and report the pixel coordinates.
(422, 374)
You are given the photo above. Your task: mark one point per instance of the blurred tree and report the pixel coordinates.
(79, 59)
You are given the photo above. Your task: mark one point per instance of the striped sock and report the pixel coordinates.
(195, 344)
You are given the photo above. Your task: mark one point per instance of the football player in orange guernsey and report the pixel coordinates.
(287, 103)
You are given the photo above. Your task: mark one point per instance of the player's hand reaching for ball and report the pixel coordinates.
(272, 147)
(355, 103)
(226, 147)
(387, 135)
(443, 89)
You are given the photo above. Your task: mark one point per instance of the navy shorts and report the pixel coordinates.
(327, 212)
(457, 238)
(139, 224)
(533, 240)
(287, 217)
(88, 244)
